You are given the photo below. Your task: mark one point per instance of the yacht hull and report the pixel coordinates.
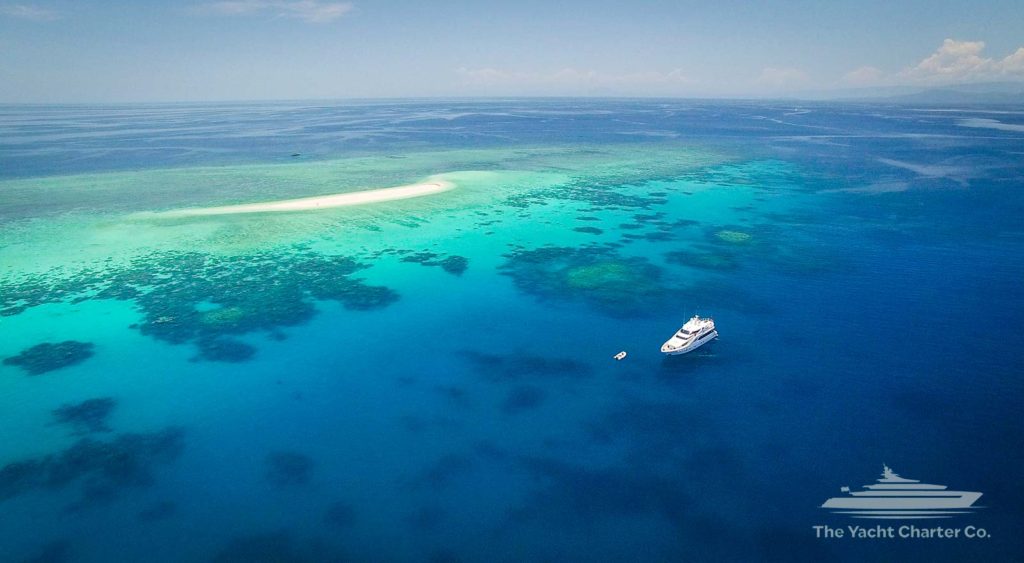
(692, 347)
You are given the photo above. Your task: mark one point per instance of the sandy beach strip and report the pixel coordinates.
(433, 186)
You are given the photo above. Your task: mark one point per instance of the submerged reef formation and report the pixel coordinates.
(609, 191)
(654, 227)
(599, 276)
(104, 468)
(50, 356)
(733, 237)
(285, 469)
(454, 265)
(726, 248)
(204, 299)
(705, 258)
(86, 417)
(222, 349)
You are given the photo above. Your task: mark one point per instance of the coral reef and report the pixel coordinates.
(86, 417)
(598, 276)
(454, 265)
(193, 297)
(704, 259)
(50, 356)
(733, 237)
(223, 350)
(104, 467)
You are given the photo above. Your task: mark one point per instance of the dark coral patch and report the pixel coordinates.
(705, 259)
(454, 265)
(660, 236)
(87, 416)
(224, 350)
(650, 218)
(588, 230)
(104, 467)
(50, 356)
(598, 276)
(286, 469)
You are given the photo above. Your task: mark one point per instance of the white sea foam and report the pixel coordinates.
(987, 123)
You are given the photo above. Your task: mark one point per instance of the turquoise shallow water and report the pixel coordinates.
(431, 379)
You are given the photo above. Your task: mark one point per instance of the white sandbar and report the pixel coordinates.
(431, 187)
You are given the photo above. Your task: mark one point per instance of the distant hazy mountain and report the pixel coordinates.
(980, 93)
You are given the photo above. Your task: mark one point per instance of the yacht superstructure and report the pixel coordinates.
(694, 334)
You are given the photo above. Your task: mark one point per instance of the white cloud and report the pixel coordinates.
(964, 61)
(774, 78)
(572, 80)
(1014, 64)
(311, 11)
(954, 62)
(863, 76)
(29, 12)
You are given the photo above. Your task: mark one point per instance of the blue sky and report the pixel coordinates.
(284, 49)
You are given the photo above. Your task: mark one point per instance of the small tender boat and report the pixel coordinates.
(694, 334)
(620, 356)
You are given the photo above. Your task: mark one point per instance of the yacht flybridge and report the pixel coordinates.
(694, 334)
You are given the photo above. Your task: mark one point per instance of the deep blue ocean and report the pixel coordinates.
(432, 379)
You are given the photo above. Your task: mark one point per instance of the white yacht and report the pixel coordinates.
(694, 334)
(896, 497)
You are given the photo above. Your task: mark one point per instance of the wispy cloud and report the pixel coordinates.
(29, 12)
(310, 11)
(774, 78)
(863, 76)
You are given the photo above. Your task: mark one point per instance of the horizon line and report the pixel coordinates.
(878, 98)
